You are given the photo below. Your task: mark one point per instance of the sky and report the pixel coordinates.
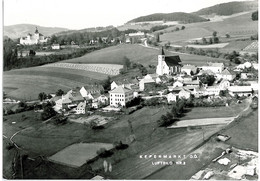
(80, 14)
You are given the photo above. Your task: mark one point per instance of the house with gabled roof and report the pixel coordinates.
(120, 96)
(189, 69)
(224, 84)
(184, 93)
(226, 74)
(171, 97)
(214, 67)
(168, 64)
(90, 89)
(81, 108)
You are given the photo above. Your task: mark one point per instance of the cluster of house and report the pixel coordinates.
(31, 39)
(186, 83)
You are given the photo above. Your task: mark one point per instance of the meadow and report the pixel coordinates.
(234, 26)
(27, 83)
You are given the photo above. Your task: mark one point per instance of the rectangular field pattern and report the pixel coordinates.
(109, 69)
(78, 154)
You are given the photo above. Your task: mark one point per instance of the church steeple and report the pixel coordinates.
(162, 52)
(36, 31)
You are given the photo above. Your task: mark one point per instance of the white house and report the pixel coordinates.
(120, 96)
(81, 108)
(90, 89)
(240, 90)
(189, 69)
(214, 67)
(226, 74)
(55, 46)
(224, 84)
(155, 77)
(171, 97)
(177, 84)
(168, 64)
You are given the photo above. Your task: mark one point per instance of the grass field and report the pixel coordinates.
(29, 82)
(77, 154)
(238, 25)
(244, 133)
(136, 53)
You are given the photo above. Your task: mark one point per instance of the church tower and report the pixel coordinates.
(161, 59)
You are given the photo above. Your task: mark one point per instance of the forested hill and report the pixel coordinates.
(229, 8)
(177, 16)
(19, 30)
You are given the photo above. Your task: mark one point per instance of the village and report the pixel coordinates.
(171, 96)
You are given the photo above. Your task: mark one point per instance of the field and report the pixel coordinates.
(135, 53)
(77, 154)
(27, 83)
(234, 26)
(244, 133)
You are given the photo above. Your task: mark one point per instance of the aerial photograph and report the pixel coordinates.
(130, 90)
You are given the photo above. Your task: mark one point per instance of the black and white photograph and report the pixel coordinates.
(130, 90)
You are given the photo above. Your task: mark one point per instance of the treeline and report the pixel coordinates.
(228, 8)
(177, 16)
(11, 59)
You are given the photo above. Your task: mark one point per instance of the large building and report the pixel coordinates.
(30, 39)
(168, 64)
(120, 96)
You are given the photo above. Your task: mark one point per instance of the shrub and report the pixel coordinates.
(120, 145)
(103, 153)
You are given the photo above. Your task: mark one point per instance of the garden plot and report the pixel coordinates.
(202, 122)
(78, 154)
(100, 120)
(109, 69)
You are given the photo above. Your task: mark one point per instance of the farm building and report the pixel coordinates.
(91, 89)
(120, 96)
(146, 82)
(214, 67)
(240, 90)
(168, 64)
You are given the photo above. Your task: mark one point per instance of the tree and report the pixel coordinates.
(107, 84)
(254, 16)
(210, 41)
(48, 112)
(214, 34)
(42, 96)
(177, 29)
(227, 35)
(126, 63)
(216, 39)
(32, 53)
(59, 92)
(204, 41)
(157, 38)
(207, 79)
(183, 27)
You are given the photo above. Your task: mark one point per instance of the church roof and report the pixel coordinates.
(172, 60)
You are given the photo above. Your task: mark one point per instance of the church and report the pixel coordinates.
(30, 39)
(168, 64)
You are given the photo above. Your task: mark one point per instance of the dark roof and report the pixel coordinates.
(172, 60)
